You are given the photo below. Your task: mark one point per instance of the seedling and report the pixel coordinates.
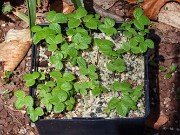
(136, 32)
(172, 69)
(128, 100)
(56, 90)
(162, 68)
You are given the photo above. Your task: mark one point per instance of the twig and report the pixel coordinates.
(171, 57)
(104, 12)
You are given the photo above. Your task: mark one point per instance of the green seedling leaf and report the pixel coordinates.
(138, 12)
(149, 43)
(81, 62)
(72, 52)
(27, 77)
(133, 42)
(42, 76)
(138, 25)
(50, 84)
(61, 94)
(58, 39)
(109, 22)
(68, 76)
(173, 67)
(92, 24)
(43, 87)
(113, 103)
(96, 91)
(83, 91)
(137, 93)
(73, 23)
(52, 47)
(29, 102)
(54, 17)
(56, 27)
(72, 100)
(55, 74)
(116, 65)
(66, 86)
(108, 31)
(116, 86)
(81, 40)
(127, 34)
(69, 107)
(58, 108)
(36, 29)
(33, 116)
(162, 68)
(125, 87)
(139, 38)
(35, 113)
(51, 16)
(56, 60)
(168, 75)
(87, 18)
(35, 75)
(143, 47)
(122, 109)
(127, 101)
(19, 104)
(19, 94)
(126, 46)
(105, 46)
(144, 20)
(39, 111)
(30, 83)
(6, 8)
(60, 18)
(135, 49)
(80, 12)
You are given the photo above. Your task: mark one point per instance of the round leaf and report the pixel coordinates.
(149, 43)
(58, 108)
(62, 95)
(66, 86)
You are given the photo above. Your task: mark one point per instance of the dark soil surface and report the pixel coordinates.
(164, 93)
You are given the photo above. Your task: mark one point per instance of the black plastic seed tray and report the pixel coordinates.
(94, 126)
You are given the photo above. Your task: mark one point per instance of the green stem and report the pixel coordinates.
(31, 6)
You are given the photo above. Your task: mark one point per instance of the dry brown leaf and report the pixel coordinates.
(62, 6)
(170, 14)
(67, 8)
(152, 7)
(163, 119)
(132, 1)
(14, 48)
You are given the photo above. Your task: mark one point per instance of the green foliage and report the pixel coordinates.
(89, 70)
(129, 98)
(170, 72)
(31, 78)
(35, 113)
(116, 65)
(168, 75)
(136, 31)
(162, 68)
(173, 67)
(7, 8)
(108, 27)
(56, 90)
(23, 101)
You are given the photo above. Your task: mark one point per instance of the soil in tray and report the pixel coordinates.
(88, 105)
